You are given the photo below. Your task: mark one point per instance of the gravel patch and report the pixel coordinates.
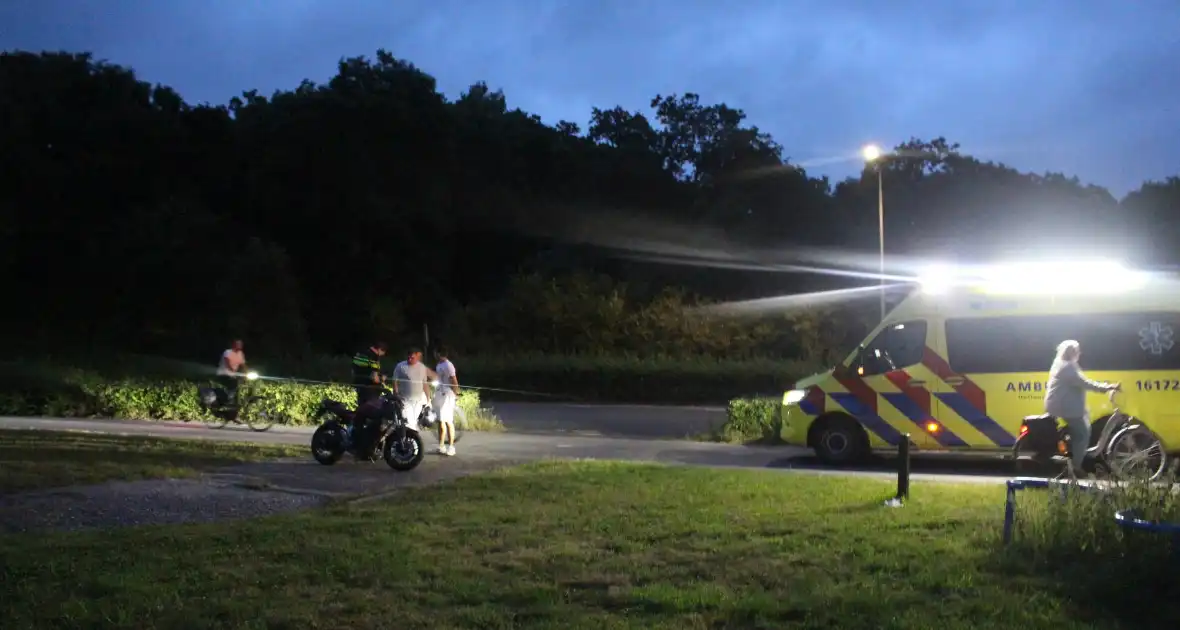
(233, 492)
(149, 502)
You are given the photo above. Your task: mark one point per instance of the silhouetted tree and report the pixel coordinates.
(322, 215)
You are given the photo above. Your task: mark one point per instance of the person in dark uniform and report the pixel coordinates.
(368, 381)
(366, 373)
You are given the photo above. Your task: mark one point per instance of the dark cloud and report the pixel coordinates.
(1083, 86)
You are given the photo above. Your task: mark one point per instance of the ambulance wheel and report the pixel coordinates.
(840, 441)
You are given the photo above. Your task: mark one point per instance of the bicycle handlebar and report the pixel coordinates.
(1110, 396)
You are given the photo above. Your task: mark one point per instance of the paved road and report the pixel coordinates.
(644, 421)
(512, 447)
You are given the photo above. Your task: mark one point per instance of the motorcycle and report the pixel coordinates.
(398, 440)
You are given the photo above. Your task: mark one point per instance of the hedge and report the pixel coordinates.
(535, 378)
(629, 380)
(74, 393)
(757, 419)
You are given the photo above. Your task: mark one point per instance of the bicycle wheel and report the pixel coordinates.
(1135, 453)
(257, 416)
(218, 418)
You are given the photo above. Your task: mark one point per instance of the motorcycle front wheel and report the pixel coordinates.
(327, 444)
(404, 454)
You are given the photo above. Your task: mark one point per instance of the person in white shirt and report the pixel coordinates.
(444, 402)
(411, 381)
(232, 367)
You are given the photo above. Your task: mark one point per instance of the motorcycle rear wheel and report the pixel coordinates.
(327, 445)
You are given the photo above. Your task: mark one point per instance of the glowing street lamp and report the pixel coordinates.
(871, 154)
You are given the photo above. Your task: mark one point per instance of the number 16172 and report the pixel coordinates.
(1158, 386)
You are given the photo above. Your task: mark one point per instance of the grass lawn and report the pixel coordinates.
(31, 460)
(570, 545)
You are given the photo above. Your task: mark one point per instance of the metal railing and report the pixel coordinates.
(1128, 519)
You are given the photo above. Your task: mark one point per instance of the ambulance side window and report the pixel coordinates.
(895, 348)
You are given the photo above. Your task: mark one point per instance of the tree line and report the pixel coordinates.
(316, 218)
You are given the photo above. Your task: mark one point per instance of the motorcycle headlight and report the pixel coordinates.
(794, 397)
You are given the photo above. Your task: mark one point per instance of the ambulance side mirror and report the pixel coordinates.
(856, 366)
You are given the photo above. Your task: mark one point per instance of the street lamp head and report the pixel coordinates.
(871, 152)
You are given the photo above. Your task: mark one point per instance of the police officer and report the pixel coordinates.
(368, 381)
(366, 373)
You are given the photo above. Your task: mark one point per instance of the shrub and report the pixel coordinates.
(536, 378)
(74, 393)
(590, 314)
(1074, 535)
(752, 419)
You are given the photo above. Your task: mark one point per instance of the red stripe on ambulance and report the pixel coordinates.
(817, 399)
(857, 387)
(920, 395)
(969, 390)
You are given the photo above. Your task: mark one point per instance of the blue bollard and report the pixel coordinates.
(1019, 483)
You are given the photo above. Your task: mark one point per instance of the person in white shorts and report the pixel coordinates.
(411, 381)
(445, 399)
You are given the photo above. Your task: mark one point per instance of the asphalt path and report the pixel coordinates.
(632, 421)
(576, 432)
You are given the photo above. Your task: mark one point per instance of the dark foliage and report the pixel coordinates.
(316, 218)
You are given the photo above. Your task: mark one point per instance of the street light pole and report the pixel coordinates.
(872, 155)
(881, 234)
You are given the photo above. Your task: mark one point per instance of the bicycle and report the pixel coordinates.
(224, 408)
(1124, 449)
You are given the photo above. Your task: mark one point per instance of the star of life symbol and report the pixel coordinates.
(1156, 338)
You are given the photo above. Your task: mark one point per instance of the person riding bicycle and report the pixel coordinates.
(1065, 398)
(231, 368)
(369, 383)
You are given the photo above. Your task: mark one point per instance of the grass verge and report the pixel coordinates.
(573, 545)
(31, 460)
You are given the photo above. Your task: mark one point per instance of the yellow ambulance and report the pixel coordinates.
(965, 357)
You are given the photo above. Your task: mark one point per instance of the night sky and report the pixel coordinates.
(1089, 87)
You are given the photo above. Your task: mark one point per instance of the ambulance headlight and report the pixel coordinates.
(936, 280)
(794, 397)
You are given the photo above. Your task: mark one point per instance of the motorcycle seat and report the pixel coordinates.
(338, 408)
